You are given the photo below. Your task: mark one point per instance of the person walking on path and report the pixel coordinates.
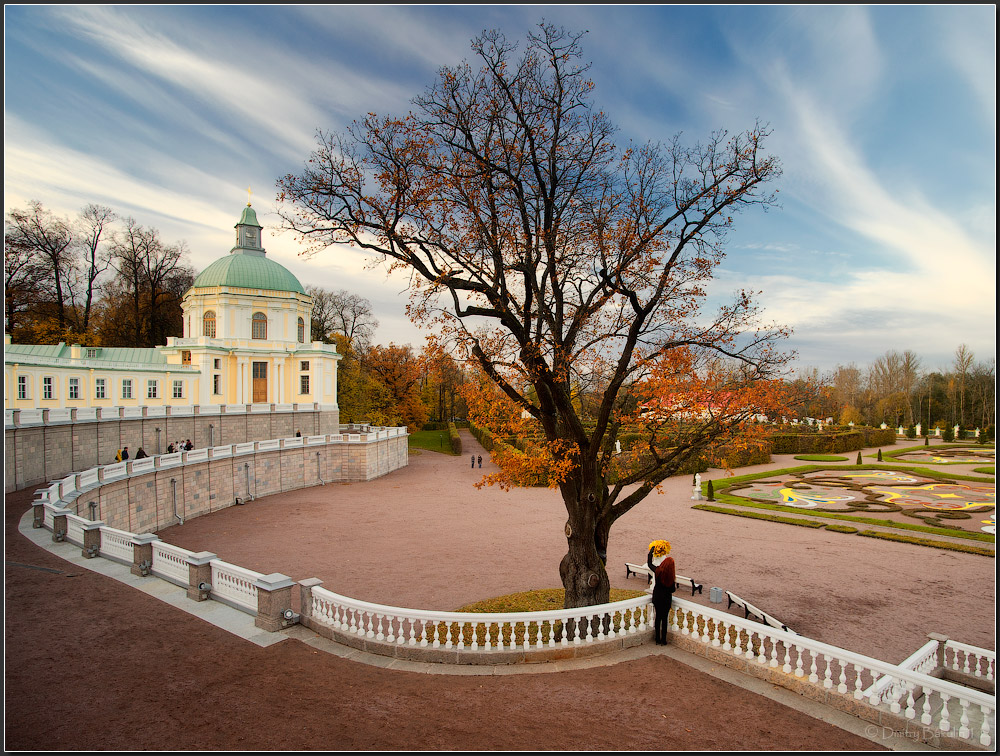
(664, 578)
(473, 461)
(480, 461)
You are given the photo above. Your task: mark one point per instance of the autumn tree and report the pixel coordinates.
(341, 312)
(555, 258)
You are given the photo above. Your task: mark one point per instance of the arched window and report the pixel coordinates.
(258, 329)
(302, 331)
(208, 324)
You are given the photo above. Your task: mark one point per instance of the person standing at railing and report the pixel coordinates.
(141, 454)
(664, 580)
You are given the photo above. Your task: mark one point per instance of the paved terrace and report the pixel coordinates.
(92, 663)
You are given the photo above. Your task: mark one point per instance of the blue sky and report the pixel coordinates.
(884, 119)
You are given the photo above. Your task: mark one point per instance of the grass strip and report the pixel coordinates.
(964, 548)
(760, 516)
(820, 458)
(841, 529)
(929, 529)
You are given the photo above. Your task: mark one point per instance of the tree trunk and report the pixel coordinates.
(582, 570)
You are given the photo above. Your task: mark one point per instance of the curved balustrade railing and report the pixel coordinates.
(480, 631)
(913, 695)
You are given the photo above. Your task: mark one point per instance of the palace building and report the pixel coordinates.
(245, 341)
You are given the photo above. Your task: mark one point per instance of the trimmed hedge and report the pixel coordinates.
(832, 442)
(456, 440)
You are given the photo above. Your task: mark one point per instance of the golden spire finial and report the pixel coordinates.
(248, 195)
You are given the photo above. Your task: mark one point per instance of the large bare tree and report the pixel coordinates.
(549, 253)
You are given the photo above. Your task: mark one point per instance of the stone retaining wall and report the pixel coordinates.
(43, 445)
(149, 501)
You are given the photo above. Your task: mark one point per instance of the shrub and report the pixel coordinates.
(456, 440)
(911, 431)
(948, 434)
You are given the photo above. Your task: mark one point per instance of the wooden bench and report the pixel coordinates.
(758, 614)
(679, 580)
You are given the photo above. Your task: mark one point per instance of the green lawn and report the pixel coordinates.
(435, 441)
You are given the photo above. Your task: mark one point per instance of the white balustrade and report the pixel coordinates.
(970, 660)
(271, 444)
(235, 585)
(61, 415)
(144, 465)
(155, 411)
(262, 408)
(290, 443)
(115, 471)
(74, 529)
(117, 545)
(284, 407)
(314, 440)
(848, 672)
(170, 460)
(90, 477)
(222, 451)
(180, 410)
(130, 413)
(480, 631)
(31, 417)
(196, 455)
(170, 562)
(248, 448)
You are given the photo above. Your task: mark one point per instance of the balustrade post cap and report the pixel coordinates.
(939, 637)
(310, 582)
(273, 582)
(93, 525)
(62, 511)
(201, 558)
(142, 539)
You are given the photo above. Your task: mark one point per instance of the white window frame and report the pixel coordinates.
(216, 384)
(100, 388)
(126, 388)
(304, 383)
(48, 387)
(74, 388)
(152, 389)
(22, 387)
(178, 389)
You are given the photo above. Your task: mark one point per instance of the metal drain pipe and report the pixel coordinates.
(319, 470)
(173, 493)
(246, 469)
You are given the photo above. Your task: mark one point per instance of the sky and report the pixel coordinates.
(883, 117)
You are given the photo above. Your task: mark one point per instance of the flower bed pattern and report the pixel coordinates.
(896, 498)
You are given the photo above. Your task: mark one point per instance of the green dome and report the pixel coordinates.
(248, 272)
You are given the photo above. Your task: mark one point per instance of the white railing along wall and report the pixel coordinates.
(235, 585)
(170, 563)
(117, 545)
(977, 662)
(845, 671)
(486, 632)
